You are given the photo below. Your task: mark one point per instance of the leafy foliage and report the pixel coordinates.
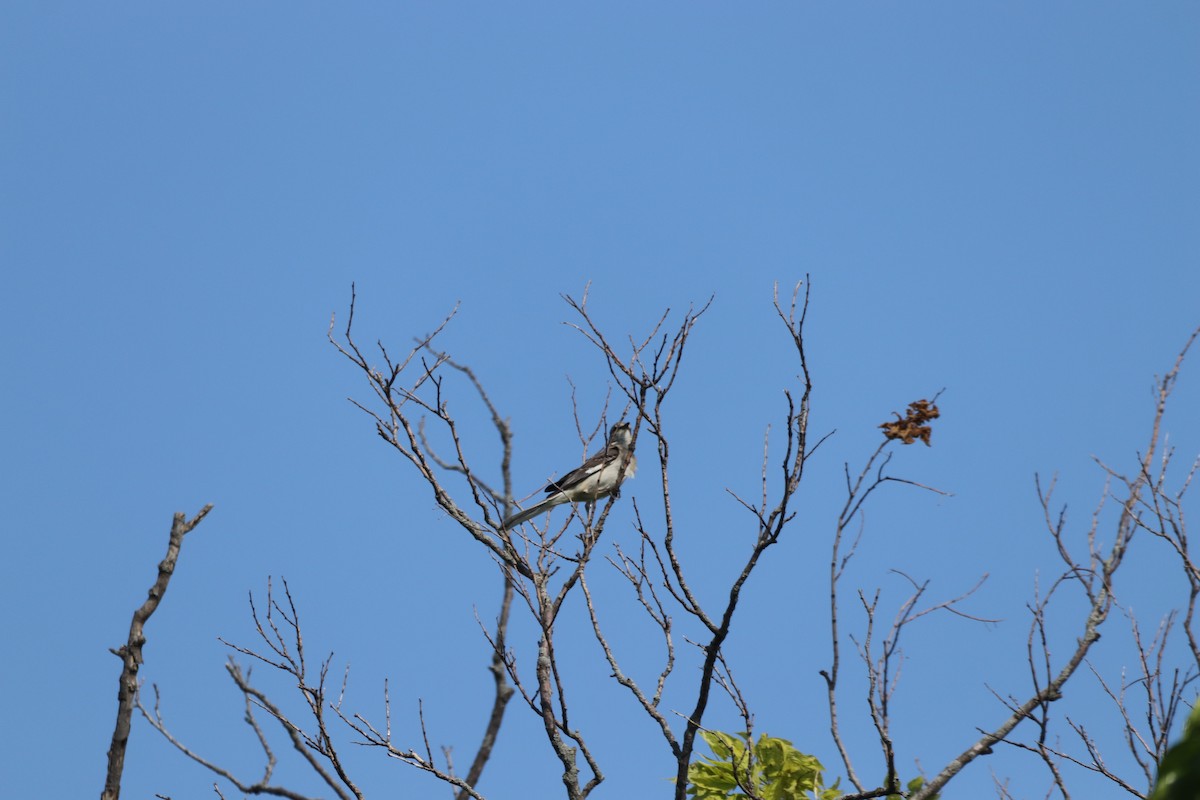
(912, 786)
(743, 769)
(1179, 772)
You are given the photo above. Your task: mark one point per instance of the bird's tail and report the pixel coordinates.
(532, 511)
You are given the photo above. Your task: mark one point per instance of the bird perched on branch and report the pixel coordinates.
(598, 477)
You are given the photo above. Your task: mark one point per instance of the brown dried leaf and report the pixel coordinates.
(914, 425)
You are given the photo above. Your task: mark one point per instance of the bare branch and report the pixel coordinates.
(130, 653)
(1095, 578)
(769, 523)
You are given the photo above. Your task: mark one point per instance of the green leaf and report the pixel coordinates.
(1179, 772)
(771, 767)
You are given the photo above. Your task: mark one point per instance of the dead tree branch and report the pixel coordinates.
(880, 680)
(770, 518)
(1094, 577)
(537, 565)
(130, 653)
(280, 631)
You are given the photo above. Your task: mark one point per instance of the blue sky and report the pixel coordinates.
(995, 198)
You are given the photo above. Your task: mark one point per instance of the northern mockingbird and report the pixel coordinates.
(598, 477)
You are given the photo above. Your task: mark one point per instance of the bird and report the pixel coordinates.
(599, 476)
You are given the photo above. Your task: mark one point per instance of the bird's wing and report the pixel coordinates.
(585, 470)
